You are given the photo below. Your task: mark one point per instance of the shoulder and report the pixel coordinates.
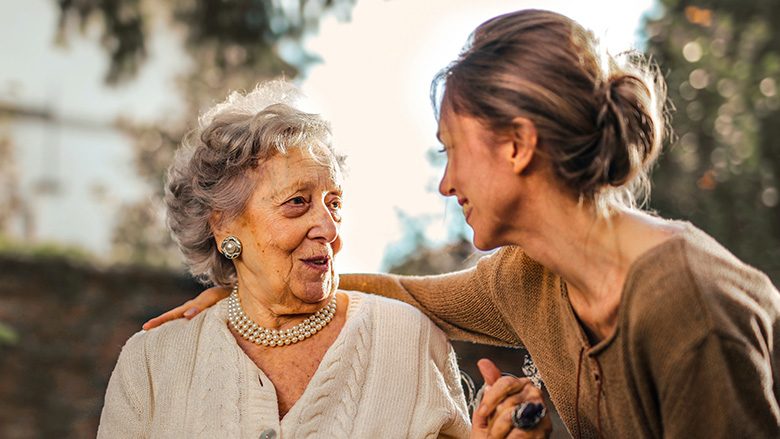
(170, 342)
(692, 265)
(391, 317)
(513, 261)
(511, 269)
(379, 307)
(691, 285)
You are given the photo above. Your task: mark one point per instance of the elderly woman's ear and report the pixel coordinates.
(228, 245)
(524, 142)
(218, 228)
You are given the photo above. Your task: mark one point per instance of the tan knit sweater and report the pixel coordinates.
(390, 373)
(694, 353)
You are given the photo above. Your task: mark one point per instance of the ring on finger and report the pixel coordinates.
(528, 415)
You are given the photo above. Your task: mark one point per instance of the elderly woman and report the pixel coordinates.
(641, 327)
(254, 199)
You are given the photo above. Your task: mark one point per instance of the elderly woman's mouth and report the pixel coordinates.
(318, 262)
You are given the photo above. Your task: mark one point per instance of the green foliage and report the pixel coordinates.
(124, 28)
(233, 45)
(44, 250)
(227, 32)
(720, 59)
(8, 336)
(11, 203)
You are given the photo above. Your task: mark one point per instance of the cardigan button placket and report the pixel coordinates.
(268, 434)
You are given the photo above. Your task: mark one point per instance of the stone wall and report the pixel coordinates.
(71, 321)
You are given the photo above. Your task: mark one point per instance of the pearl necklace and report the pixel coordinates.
(271, 337)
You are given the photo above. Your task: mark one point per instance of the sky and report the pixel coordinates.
(372, 83)
(374, 86)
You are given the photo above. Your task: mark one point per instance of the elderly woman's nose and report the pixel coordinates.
(325, 224)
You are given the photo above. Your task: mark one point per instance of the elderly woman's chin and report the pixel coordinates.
(314, 286)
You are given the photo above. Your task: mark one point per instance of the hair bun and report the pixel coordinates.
(600, 119)
(627, 133)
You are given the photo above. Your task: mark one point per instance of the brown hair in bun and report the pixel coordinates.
(599, 118)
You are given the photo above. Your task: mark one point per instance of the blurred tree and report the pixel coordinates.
(10, 201)
(234, 44)
(228, 33)
(721, 60)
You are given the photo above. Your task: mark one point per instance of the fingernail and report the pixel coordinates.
(190, 312)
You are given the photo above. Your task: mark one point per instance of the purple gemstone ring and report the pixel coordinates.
(528, 415)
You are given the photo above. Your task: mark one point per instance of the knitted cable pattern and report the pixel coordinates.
(199, 383)
(345, 367)
(220, 413)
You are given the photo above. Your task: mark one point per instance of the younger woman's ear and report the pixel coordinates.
(524, 140)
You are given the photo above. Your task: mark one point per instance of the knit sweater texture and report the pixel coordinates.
(391, 373)
(694, 353)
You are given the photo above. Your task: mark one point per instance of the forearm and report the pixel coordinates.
(460, 303)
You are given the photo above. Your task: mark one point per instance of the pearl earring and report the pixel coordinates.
(231, 247)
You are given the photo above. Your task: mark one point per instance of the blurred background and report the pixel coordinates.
(95, 95)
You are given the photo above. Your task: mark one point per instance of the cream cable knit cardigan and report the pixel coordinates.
(390, 373)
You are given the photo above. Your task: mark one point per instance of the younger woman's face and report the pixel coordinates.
(479, 174)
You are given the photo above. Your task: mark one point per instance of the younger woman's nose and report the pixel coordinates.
(445, 188)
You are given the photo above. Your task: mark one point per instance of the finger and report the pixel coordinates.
(503, 427)
(210, 297)
(501, 424)
(479, 427)
(479, 423)
(516, 433)
(528, 394)
(190, 308)
(489, 371)
(500, 390)
(173, 314)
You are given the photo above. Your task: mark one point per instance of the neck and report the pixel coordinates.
(250, 330)
(592, 254)
(273, 308)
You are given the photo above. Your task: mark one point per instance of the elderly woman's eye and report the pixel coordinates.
(297, 201)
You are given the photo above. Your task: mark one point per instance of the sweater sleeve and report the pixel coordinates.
(721, 388)
(460, 425)
(462, 304)
(440, 404)
(704, 326)
(128, 395)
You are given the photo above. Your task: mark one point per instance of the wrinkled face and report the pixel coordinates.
(479, 174)
(290, 231)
